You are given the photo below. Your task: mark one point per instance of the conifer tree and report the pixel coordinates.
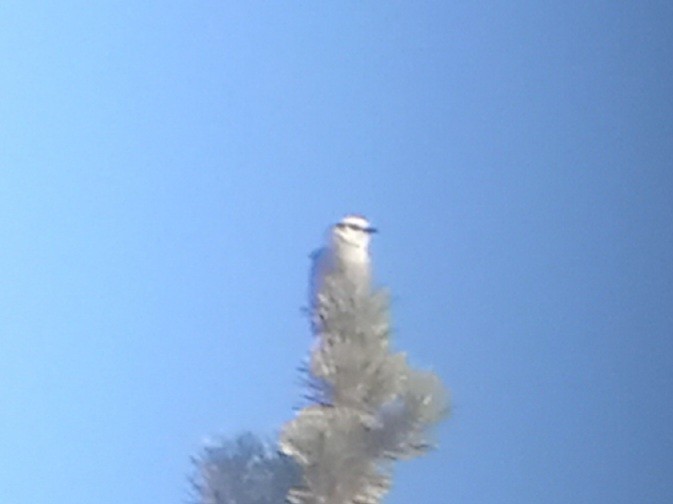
(244, 470)
(367, 408)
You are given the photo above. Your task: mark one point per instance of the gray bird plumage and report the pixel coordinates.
(345, 258)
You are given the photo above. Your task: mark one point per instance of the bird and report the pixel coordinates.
(345, 257)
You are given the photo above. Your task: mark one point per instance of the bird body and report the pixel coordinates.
(345, 258)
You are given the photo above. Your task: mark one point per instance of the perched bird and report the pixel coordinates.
(345, 257)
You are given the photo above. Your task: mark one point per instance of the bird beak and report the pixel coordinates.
(371, 230)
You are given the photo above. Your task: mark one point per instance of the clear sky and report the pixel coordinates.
(167, 166)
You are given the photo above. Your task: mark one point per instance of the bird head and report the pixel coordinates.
(352, 231)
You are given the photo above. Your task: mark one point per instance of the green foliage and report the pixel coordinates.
(243, 470)
(369, 406)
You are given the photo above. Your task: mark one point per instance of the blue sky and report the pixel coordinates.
(166, 167)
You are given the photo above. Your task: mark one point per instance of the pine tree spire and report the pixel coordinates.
(368, 406)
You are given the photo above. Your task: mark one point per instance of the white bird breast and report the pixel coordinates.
(352, 263)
